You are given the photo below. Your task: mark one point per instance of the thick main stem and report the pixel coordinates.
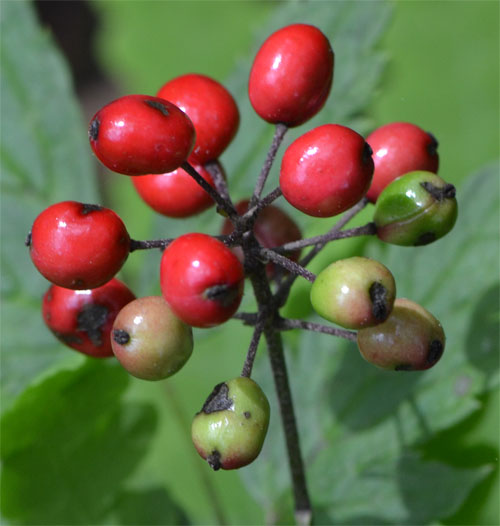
(303, 512)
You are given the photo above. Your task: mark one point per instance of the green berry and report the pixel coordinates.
(149, 340)
(411, 339)
(231, 427)
(415, 209)
(354, 293)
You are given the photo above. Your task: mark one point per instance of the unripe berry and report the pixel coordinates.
(201, 279)
(82, 319)
(139, 134)
(149, 340)
(210, 107)
(411, 339)
(230, 429)
(399, 148)
(415, 209)
(78, 246)
(354, 293)
(326, 171)
(291, 75)
(272, 228)
(175, 194)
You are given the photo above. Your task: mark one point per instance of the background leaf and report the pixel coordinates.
(44, 159)
(70, 461)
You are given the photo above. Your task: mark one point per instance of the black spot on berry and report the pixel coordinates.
(27, 241)
(87, 209)
(435, 352)
(91, 319)
(121, 337)
(425, 239)
(94, 129)
(247, 414)
(158, 106)
(217, 400)
(223, 294)
(448, 191)
(404, 367)
(433, 145)
(214, 460)
(378, 297)
(367, 153)
(68, 338)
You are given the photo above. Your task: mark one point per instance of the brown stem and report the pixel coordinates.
(263, 294)
(365, 230)
(215, 170)
(222, 203)
(149, 244)
(286, 263)
(289, 324)
(252, 349)
(279, 134)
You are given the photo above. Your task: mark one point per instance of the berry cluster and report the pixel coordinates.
(170, 145)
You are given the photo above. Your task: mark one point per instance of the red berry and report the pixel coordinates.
(399, 148)
(175, 194)
(326, 171)
(78, 246)
(201, 279)
(272, 228)
(291, 75)
(211, 109)
(82, 319)
(139, 134)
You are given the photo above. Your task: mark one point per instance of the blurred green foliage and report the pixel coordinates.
(83, 443)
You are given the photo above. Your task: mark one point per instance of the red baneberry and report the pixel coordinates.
(175, 194)
(82, 319)
(291, 75)
(326, 171)
(399, 148)
(139, 134)
(210, 107)
(78, 246)
(201, 279)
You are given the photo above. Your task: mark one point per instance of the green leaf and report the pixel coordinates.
(44, 159)
(361, 427)
(147, 508)
(68, 444)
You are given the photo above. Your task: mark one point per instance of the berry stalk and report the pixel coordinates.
(279, 134)
(303, 512)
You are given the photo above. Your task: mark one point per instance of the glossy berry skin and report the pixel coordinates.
(415, 209)
(78, 246)
(354, 293)
(82, 319)
(291, 75)
(399, 148)
(230, 429)
(272, 228)
(326, 171)
(201, 279)
(149, 340)
(139, 134)
(175, 194)
(411, 339)
(211, 108)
